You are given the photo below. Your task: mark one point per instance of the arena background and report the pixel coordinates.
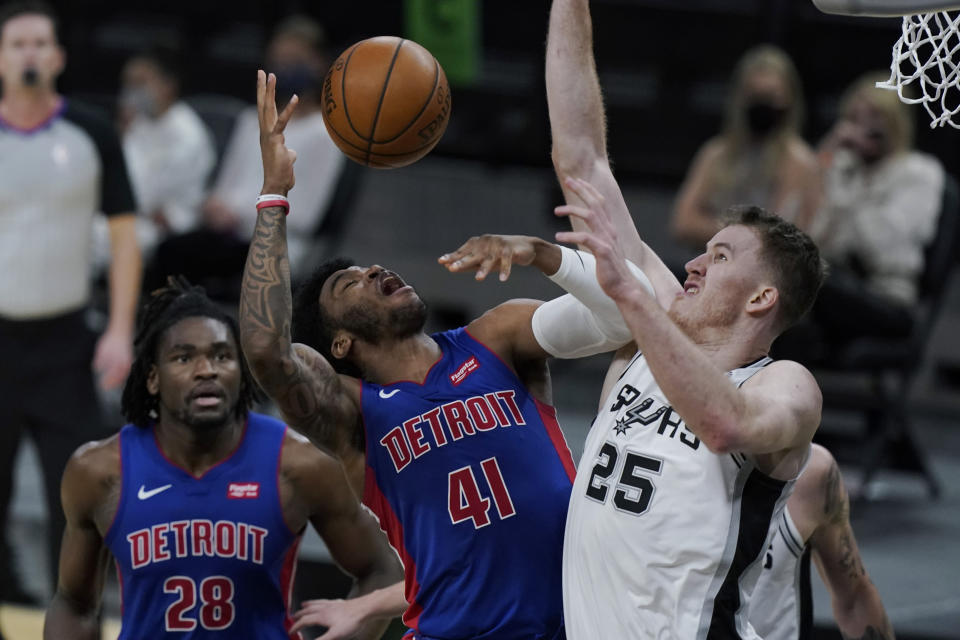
(664, 65)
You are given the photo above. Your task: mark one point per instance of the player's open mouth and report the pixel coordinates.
(691, 288)
(390, 283)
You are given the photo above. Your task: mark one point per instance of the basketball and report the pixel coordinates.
(386, 102)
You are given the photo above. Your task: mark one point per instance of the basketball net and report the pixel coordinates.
(926, 56)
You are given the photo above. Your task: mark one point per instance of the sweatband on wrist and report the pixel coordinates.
(273, 200)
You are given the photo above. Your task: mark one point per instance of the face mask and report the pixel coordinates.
(763, 117)
(140, 100)
(294, 79)
(31, 77)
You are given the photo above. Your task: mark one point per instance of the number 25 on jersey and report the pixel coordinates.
(465, 501)
(634, 489)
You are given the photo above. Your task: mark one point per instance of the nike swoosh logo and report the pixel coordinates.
(143, 494)
(385, 396)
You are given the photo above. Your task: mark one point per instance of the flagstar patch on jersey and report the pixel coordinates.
(237, 490)
(464, 370)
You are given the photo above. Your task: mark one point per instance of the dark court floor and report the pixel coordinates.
(405, 219)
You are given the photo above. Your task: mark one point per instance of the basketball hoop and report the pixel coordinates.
(926, 58)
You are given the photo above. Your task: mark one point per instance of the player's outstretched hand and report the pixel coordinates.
(612, 271)
(488, 252)
(343, 618)
(277, 158)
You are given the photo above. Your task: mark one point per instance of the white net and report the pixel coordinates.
(924, 63)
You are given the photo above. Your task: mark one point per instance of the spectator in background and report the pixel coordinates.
(59, 163)
(759, 158)
(169, 150)
(881, 204)
(297, 53)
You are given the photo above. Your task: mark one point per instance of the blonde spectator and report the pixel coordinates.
(759, 158)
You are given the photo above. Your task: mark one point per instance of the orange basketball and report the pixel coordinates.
(386, 102)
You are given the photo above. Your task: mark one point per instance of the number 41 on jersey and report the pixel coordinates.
(465, 500)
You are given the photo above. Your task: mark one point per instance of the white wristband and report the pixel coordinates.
(268, 197)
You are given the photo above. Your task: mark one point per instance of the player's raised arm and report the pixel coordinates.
(578, 126)
(73, 613)
(308, 391)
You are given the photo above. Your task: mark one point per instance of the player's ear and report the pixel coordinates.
(762, 300)
(340, 347)
(153, 380)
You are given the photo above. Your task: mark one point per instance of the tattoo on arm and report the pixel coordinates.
(835, 503)
(302, 383)
(849, 558)
(265, 300)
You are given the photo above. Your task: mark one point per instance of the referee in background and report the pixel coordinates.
(59, 163)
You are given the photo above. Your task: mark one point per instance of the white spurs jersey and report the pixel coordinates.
(781, 607)
(663, 538)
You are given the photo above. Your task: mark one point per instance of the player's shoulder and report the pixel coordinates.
(93, 466)
(788, 374)
(504, 315)
(819, 494)
(820, 467)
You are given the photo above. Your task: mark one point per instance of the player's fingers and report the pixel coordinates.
(486, 266)
(506, 263)
(284, 117)
(587, 191)
(573, 237)
(303, 623)
(261, 91)
(270, 101)
(462, 250)
(576, 211)
(576, 186)
(466, 261)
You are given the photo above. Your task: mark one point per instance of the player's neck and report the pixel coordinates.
(731, 349)
(197, 450)
(409, 358)
(25, 107)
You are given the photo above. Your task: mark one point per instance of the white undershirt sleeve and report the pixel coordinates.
(587, 321)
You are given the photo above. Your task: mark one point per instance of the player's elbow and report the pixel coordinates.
(855, 609)
(264, 353)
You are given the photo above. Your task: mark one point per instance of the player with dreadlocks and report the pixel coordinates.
(202, 502)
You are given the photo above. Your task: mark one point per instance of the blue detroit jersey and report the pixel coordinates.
(208, 557)
(470, 477)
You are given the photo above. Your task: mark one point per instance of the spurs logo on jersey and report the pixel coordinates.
(649, 411)
(664, 537)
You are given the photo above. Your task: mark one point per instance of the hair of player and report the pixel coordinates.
(798, 270)
(166, 307)
(312, 324)
(896, 114)
(29, 7)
